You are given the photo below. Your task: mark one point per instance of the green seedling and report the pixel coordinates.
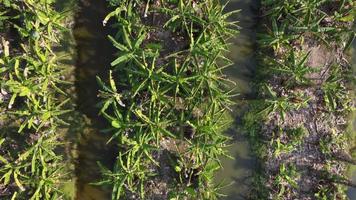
(282, 104)
(335, 92)
(32, 77)
(286, 178)
(158, 95)
(277, 36)
(295, 137)
(294, 68)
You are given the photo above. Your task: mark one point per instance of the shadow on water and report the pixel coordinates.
(239, 171)
(94, 54)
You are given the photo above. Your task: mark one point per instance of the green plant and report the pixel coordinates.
(335, 92)
(295, 69)
(277, 36)
(283, 104)
(169, 100)
(34, 101)
(308, 16)
(286, 178)
(290, 144)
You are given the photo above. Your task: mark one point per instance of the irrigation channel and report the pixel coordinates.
(92, 43)
(351, 192)
(94, 54)
(239, 171)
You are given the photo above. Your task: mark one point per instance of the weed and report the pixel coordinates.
(283, 104)
(276, 36)
(335, 92)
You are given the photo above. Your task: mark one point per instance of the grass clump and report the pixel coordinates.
(166, 98)
(298, 125)
(32, 100)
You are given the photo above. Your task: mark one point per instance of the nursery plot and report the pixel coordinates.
(151, 109)
(177, 94)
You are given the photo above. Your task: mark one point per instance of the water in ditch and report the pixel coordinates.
(237, 172)
(94, 54)
(351, 192)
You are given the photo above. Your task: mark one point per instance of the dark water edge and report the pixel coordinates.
(94, 54)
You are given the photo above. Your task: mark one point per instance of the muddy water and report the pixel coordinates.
(238, 171)
(94, 54)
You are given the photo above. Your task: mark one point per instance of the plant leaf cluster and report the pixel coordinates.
(294, 19)
(167, 99)
(32, 100)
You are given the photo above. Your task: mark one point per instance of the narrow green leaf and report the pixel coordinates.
(121, 59)
(117, 44)
(17, 181)
(112, 82)
(116, 124)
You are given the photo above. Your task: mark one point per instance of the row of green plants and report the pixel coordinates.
(298, 127)
(166, 98)
(32, 100)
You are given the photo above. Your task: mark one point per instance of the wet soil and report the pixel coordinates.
(320, 156)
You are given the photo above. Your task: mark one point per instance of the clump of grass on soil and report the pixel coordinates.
(298, 125)
(167, 99)
(32, 100)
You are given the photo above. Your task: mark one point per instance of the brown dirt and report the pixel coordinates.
(315, 167)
